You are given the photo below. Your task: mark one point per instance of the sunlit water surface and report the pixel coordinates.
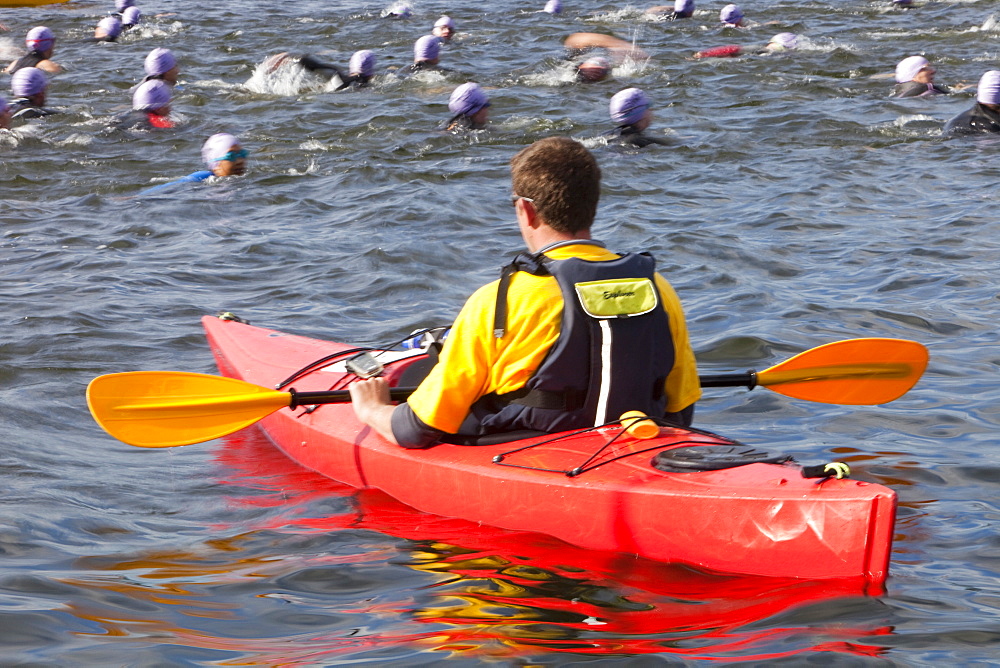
(797, 205)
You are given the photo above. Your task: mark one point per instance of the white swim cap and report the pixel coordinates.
(909, 68)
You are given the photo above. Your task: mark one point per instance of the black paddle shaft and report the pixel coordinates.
(339, 396)
(747, 379)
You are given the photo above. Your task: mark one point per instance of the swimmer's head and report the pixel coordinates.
(223, 155)
(152, 96)
(593, 69)
(909, 68)
(630, 107)
(108, 29)
(783, 41)
(362, 64)
(122, 5)
(40, 39)
(28, 82)
(902, 3)
(162, 64)
(427, 49)
(444, 28)
(988, 91)
(731, 15)
(131, 17)
(469, 100)
(553, 7)
(684, 6)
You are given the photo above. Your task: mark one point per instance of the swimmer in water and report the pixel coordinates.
(131, 18)
(682, 9)
(984, 117)
(470, 107)
(223, 156)
(108, 29)
(784, 41)
(41, 43)
(593, 67)
(151, 101)
(732, 16)
(361, 68)
(630, 111)
(915, 78)
(553, 7)
(444, 28)
(398, 10)
(30, 88)
(426, 55)
(5, 114)
(161, 64)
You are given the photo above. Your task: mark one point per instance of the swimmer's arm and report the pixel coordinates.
(593, 40)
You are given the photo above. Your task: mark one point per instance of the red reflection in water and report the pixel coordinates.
(505, 593)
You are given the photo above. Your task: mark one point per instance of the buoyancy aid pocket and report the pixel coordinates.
(618, 297)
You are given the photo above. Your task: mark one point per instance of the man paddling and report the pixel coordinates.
(572, 335)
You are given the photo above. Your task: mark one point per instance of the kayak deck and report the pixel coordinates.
(761, 519)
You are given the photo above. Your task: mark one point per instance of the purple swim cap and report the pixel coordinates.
(28, 81)
(786, 40)
(363, 63)
(444, 21)
(122, 5)
(159, 61)
(40, 39)
(628, 106)
(427, 47)
(553, 7)
(216, 147)
(111, 26)
(909, 68)
(151, 95)
(731, 14)
(467, 99)
(684, 6)
(131, 16)
(989, 88)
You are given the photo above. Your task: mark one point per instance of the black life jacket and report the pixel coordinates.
(613, 353)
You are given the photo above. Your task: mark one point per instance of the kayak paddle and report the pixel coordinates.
(161, 409)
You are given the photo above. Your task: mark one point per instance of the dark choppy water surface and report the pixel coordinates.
(798, 205)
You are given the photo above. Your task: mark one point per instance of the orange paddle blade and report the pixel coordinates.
(853, 372)
(161, 409)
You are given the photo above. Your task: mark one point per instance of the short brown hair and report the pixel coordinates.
(563, 179)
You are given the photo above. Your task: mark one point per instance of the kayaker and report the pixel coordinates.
(470, 106)
(630, 111)
(30, 88)
(915, 78)
(41, 43)
(984, 117)
(520, 357)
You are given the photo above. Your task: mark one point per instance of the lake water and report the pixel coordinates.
(797, 205)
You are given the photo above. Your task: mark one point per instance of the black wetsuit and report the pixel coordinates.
(977, 120)
(22, 108)
(916, 89)
(29, 60)
(627, 135)
(329, 71)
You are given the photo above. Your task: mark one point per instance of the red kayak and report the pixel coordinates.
(597, 489)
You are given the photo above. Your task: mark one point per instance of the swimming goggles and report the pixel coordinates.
(235, 155)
